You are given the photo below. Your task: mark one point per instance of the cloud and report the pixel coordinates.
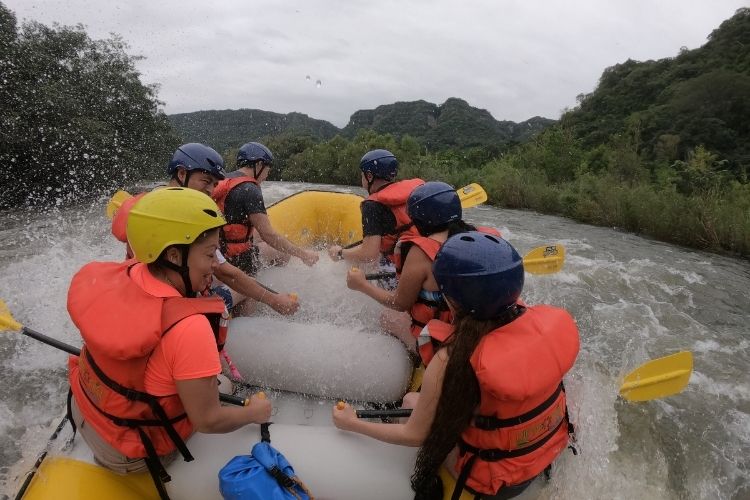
(515, 58)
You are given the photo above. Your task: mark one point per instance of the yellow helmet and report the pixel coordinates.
(170, 216)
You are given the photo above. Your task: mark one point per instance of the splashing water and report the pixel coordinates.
(634, 300)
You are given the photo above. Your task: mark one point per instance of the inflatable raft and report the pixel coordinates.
(334, 464)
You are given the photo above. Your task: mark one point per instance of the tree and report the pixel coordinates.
(76, 119)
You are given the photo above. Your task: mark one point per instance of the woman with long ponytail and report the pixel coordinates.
(492, 409)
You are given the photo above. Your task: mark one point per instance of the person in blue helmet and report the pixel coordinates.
(384, 215)
(200, 167)
(492, 408)
(240, 198)
(436, 212)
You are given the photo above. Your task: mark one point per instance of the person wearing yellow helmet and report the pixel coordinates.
(146, 376)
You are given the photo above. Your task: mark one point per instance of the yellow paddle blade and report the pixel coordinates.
(547, 259)
(7, 322)
(471, 195)
(658, 378)
(115, 202)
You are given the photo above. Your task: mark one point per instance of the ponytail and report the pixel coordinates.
(458, 399)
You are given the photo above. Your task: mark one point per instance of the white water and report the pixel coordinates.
(634, 300)
(348, 363)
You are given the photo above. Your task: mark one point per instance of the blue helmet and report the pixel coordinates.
(381, 163)
(433, 204)
(253, 151)
(194, 156)
(480, 273)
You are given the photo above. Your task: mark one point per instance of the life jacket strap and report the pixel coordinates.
(69, 410)
(161, 420)
(495, 454)
(490, 422)
(458, 488)
(156, 469)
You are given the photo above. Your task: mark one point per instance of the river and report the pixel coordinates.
(634, 299)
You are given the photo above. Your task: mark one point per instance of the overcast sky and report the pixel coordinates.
(515, 58)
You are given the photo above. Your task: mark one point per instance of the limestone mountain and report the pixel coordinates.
(229, 128)
(453, 124)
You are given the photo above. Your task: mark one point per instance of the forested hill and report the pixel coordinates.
(453, 124)
(670, 106)
(225, 129)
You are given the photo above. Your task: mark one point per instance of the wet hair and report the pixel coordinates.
(453, 227)
(459, 398)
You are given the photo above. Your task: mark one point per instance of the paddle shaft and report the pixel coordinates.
(226, 398)
(380, 276)
(395, 413)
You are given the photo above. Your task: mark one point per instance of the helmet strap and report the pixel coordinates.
(187, 177)
(257, 173)
(370, 181)
(183, 270)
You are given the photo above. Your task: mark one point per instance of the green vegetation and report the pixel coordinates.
(660, 148)
(75, 119)
(231, 128)
(694, 202)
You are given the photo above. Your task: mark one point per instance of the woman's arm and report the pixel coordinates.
(417, 428)
(200, 397)
(416, 270)
(240, 282)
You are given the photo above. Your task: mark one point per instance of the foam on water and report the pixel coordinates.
(320, 359)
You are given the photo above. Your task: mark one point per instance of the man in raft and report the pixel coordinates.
(146, 376)
(197, 166)
(492, 408)
(384, 215)
(240, 198)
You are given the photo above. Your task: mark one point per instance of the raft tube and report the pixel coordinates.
(319, 359)
(318, 218)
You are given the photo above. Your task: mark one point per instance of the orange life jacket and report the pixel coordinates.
(429, 305)
(490, 230)
(430, 338)
(522, 422)
(120, 222)
(236, 238)
(107, 379)
(394, 196)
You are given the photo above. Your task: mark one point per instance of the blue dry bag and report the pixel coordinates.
(263, 475)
